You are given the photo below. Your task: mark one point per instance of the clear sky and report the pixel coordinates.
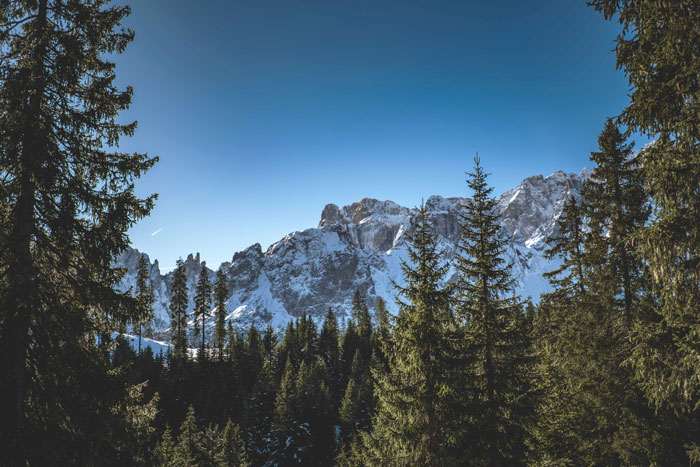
(263, 111)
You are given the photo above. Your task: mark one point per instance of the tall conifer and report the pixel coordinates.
(657, 48)
(144, 298)
(67, 202)
(220, 296)
(496, 346)
(415, 422)
(178, 310)
(202, 307)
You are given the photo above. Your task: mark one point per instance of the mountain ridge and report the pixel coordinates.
(361, 246)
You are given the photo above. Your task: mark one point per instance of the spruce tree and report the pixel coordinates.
(357, 404)
(329, 351)
(593, 411)
(202, 307)
(67, 202)
(657, 49)
(382, 335)
(191, 446)
(259, 416)
(220, 297)
(617, 206)
(232, 452)
(178, 310)
(302, 421)
(144, 298)
(497, 349)
(164, 452)
(416, 421)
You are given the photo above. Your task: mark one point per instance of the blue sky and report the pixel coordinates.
(264, 111)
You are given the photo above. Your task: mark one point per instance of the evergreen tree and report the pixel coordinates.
(302, 422)
(135, 435)
(618, 207)
(360, 313)
(259, 417)
(357, 405)
(269, 344)
(202, 307)
(67, 203)
(191, 446)
(657, 49)
(178, 310)
(144, 298)
(220, 296)
(496, 347)
(164, 453)
(329, 351)
(254, 358)
(232, 452)
(349, 346)
(416, 421)
(383, 333)
(593, 412)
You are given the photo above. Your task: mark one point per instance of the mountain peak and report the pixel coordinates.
(362, 246)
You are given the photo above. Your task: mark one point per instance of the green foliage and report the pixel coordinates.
(164, 453)
(138, 431)
(302, 427)
(416, 422)
(220, 296)
(357, 404)
(232, 452)
(144, 299)
(329, 351)
(658, 50)
(178, 310)
(202, 308)
(67, 202)
(496, 345)
(593, 410)
(193, 445)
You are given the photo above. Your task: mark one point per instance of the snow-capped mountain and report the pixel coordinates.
(361, 246)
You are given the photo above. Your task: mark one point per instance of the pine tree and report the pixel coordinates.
(496, 347)
(202, 307)
(416, 421)
(220, 296)
(178, 310)
(67, 203)
(657, 49)
(144, 297)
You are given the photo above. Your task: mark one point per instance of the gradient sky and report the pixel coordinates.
(264, 111)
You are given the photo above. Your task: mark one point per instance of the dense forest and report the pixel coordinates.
(603, 370)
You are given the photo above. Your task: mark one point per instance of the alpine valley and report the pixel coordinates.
(361, 246)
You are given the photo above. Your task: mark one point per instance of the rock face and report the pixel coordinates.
(361, 246)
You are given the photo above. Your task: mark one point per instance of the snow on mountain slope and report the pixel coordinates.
(361, 246)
